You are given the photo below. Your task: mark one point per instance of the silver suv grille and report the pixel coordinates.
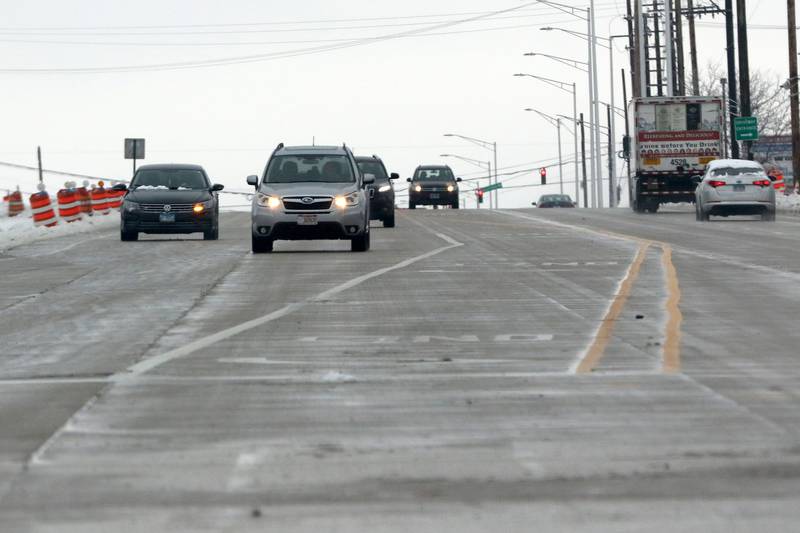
(307, 203)
(174, 208)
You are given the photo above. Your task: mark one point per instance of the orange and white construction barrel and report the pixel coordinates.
(69, 207)
(84, 199)
(15, 204)
(42, 209)
(99, 200)
(114, 198)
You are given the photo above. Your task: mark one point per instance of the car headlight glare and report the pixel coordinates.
(265, 200)
(198, 208)
(450, 188)
(418, 188)
(348, 200)
(384, 188)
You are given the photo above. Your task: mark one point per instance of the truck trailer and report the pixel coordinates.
(674, 138)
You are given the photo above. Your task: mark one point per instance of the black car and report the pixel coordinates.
(433, 185)
(381, 193)
(170, 199)
(555, 200)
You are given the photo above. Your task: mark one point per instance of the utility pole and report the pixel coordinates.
(560, 161)
(795, 106)
(612, 182)
(744, 69)
(693, 49)
(583, 164)
(679, 49)
(733, 110)
(722, 82)
(633, 51)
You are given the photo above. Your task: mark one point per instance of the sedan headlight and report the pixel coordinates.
(265, 200)
(385, 188)
(348, 200)
(201, 207)
(418, 188)
(130, 206)
(450, 188)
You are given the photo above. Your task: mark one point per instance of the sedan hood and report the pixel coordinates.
(307, 189)
(167, 196)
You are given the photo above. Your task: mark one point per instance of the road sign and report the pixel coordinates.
(492, 187)
(134, 148)
(746, 128)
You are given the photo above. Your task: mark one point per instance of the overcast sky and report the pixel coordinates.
(447, 68)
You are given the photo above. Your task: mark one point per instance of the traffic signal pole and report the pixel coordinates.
(793, 87)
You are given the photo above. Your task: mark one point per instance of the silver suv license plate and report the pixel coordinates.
(307, 220)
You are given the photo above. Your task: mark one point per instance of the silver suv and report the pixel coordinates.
(310, 192)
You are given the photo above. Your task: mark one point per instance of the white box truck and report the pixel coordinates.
(673, 139)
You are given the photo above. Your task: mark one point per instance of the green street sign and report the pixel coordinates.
(492, 187)
(746, 128)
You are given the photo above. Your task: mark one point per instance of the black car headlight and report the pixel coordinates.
(130, 207)
(385, 188)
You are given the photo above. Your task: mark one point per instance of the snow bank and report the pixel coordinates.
(19, 230)
(790, 203)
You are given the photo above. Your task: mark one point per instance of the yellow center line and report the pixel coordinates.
(603, 336)
(671, 360)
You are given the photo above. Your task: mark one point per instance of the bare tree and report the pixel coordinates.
(769, 102)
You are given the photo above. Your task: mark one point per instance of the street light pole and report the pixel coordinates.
(560, 161)
(595, 105)
(488, 146)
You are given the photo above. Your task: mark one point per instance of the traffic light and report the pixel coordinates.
(543, 174)
(479, 195)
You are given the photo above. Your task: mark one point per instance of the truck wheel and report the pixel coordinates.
(388, 220)
(360, 244)
(261, 245)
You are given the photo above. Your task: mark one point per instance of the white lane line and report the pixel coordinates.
(150, 363)
(70, 246)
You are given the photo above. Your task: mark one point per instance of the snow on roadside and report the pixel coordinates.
(789, 203)
(19, 230)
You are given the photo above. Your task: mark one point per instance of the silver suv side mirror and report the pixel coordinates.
(252, 180)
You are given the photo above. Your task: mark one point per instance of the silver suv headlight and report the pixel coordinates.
(265, 200)
(347, 200)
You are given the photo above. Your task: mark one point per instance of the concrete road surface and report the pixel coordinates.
(531, 370)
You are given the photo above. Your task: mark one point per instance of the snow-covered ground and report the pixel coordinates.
(789, 203)
(19, 230)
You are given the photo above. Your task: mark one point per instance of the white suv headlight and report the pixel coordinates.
(347, 200)
(265, 200)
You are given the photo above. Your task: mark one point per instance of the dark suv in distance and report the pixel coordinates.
(555, 200)
(381, 193)
(433, 185)
(169, 199)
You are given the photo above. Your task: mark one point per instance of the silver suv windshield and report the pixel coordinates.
(309, 168)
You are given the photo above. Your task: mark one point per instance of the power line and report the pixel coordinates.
(256, 57)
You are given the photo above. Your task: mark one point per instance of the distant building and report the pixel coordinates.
(776, 150)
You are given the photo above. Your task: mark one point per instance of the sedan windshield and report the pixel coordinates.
(169, 179)
(434, 174)
(309, 168)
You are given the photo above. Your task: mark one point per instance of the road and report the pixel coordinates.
(577, 370)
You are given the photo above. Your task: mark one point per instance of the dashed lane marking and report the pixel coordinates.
(151, 363)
